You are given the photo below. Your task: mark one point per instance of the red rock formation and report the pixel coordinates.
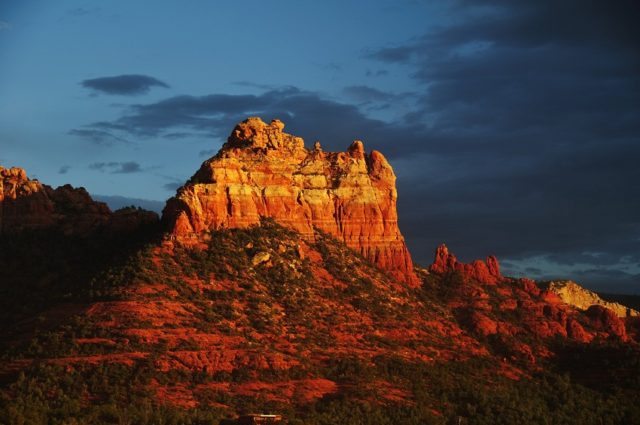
(550, 297)
(529, 286)
(577, 332)
(27, 204)
(486, 272)
(263, 172)
(605, 320)
(482, 324)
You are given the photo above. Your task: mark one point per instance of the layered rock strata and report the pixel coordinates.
(264, 172)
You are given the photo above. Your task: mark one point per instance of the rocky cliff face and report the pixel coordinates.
(486, 272)
(577, 296)
(262, 171)
(27, 204)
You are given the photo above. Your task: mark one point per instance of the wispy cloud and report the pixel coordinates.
(125, 85)
(376, 73)
(64, 169)
(99, 137)
(4, 25)
(79, 11)
(362, 93)
(183, 135)
(128, 167)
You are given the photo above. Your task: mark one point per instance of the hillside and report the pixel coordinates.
(257, 320)
(205, 319)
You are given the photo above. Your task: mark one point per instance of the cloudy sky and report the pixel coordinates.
(513, 126)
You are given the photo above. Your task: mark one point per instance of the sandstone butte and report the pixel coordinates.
(27, 204)
(262, 171)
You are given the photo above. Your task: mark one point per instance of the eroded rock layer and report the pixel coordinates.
(263, 172)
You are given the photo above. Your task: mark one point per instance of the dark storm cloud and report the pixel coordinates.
(533, 128)
(128, 167)
(533, 270)
(604, 280)
(127, 85)
(306, 113)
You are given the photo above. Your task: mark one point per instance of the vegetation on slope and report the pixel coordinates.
(257, 320)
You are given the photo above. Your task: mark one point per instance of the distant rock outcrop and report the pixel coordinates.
(486, 272)
(573, 294)
(27, 204)
(263, 172)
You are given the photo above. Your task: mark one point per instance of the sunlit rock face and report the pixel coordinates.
(264, 172)
(577, 296)
(27, 204)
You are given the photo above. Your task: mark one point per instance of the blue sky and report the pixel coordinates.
(197, 48)
(512, 126)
